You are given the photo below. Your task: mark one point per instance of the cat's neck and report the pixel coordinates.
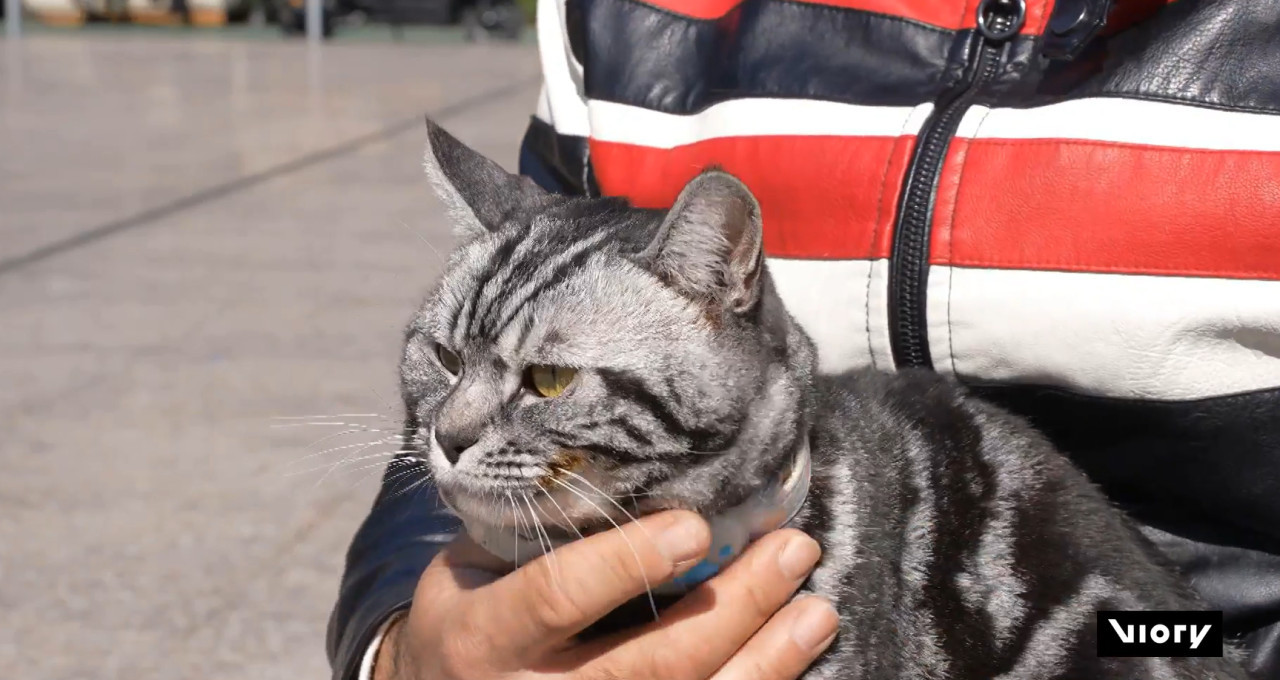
(775, 425)
(734, 528)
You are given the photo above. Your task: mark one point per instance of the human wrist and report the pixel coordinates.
(387, 657)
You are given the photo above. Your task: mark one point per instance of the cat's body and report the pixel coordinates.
(580, 349)
(959, 544)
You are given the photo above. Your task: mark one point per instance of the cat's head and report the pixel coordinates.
(580, 354)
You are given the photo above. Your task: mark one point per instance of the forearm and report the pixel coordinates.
(403, 532)
(386, 663)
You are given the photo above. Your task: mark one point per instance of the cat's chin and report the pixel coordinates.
(481, 509)
(471, 507)
(512, 514)
(656, 505)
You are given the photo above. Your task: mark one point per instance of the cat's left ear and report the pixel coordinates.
(710, 246)
(478, 193)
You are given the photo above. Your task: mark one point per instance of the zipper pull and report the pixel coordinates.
(1000, 20)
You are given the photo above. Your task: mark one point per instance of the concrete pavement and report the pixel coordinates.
(197, 237)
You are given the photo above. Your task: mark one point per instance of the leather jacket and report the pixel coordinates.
(1071, 206)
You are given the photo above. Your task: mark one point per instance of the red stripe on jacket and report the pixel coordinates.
(820, 197)
(1113, 208)
(949, 14)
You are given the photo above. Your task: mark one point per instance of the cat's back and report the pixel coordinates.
(864, 403)
(959, 543)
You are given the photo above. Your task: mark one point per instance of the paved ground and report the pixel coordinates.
(197, 236)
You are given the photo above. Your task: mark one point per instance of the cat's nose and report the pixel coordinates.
(452, 445)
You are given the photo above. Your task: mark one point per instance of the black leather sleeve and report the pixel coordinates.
(403, 532)
(1243, 583)
(558, 163)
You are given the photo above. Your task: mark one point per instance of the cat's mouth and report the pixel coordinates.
(544, 520)
(566, 500)
(552, 519)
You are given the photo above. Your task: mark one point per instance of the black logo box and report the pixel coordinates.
(1167, 633)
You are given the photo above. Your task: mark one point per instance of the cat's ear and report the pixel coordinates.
(710, 246)
(479, 195)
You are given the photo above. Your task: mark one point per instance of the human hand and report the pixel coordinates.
(468, 623)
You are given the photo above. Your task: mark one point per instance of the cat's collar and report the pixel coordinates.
(736, 528)
(731, 531)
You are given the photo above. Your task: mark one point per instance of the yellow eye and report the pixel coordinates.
(451, 362)
(551, 381)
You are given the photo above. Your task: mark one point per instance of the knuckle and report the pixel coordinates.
(623, 567)
(553, 607)
(757, 668)
(761, 600)
(765, 593)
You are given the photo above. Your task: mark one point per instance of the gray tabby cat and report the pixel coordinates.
(581, 356)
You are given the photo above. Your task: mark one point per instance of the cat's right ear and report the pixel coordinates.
(710, 246)
(479, 195)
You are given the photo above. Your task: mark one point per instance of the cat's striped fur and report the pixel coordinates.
(957, 542)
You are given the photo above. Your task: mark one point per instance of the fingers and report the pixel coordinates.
(540, 605)
(699, 633)
(787, 644)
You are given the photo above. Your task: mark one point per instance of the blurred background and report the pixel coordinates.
(211, 236)
(478, 19)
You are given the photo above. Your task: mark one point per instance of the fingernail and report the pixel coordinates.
(798, 557)
(684, 540)
(816, 625)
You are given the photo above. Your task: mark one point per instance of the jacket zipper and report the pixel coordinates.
(998, 22)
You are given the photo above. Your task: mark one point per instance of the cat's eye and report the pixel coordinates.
(451, 362)
(551, 381)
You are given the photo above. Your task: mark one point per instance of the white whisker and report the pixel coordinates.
(383, 440)
(562, 513)
(515, 528)
(648, 589)
(388, 436)
(424, 239)
(357, 457)
(397, 476)
(416, 485)
(372, 466)
(611, 499)
(314, 423)
(547, 550)
(330, 416)
(356, 427)
(334, 466)
(335, 435)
